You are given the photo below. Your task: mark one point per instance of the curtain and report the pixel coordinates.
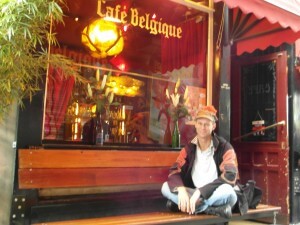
(189, 50)
(59, 91)
(186, 58)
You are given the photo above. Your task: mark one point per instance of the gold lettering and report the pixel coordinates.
(179, 32)
(109, 12)
(134, 17)
(99, 8)
(141, 23)
(144, 21)
(153, 29)
(172, 32)
(159, 26)
(147, 21)
(120, 15)
(76, 56)
(123, 17)
(165, 30)
(117, 10)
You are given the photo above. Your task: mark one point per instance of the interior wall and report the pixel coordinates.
(8, 128)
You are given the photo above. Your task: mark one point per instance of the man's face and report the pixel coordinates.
(204, 127)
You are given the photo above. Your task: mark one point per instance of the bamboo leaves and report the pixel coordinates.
(24, 36)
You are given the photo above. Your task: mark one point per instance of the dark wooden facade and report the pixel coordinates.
(272, 164)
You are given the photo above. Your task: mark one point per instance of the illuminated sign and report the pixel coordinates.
(143, 21)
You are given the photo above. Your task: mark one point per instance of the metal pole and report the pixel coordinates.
(281, 123)
(225, 80)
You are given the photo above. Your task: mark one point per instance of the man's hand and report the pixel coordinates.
(183, 200)
(194, 200)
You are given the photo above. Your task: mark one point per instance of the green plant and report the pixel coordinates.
(177, 102)
(98, 93)
(25, 35)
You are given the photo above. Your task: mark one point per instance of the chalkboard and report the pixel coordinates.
(259, 99)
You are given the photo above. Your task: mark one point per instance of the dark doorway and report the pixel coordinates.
(259, 99)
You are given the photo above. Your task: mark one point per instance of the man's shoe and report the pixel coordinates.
(223, 211)
(173, 207)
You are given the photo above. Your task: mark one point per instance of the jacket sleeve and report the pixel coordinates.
(174, 178)
(229, 167)
(229, 173)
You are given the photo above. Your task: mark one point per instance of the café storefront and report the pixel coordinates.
(153, 75)
(146, 79)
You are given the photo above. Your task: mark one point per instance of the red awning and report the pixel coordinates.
(273, 25)
(297, 50)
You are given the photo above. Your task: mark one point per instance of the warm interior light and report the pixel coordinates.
(125, 86)
(122, 66)
(103, 38)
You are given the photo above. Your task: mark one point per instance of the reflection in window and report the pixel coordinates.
(259, 101)
(130, 88)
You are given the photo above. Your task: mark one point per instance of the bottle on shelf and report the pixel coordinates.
(106, 131)
(99, 130)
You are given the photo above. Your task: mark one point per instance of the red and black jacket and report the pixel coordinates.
(225, 159)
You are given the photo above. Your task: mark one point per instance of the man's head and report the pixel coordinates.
(205, 121)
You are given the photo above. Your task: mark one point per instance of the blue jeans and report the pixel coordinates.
(223, 195)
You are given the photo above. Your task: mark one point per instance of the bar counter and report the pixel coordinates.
(106, 146)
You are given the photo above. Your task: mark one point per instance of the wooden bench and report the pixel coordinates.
(61, 168)
(66, 176)
(170, 218)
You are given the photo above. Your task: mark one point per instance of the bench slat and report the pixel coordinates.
(59, 158)
(90, 177)
(167, 218)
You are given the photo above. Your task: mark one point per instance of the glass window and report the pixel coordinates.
(259, 101)
(144, 66)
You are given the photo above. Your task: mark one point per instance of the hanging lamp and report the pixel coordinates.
(103, 38)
